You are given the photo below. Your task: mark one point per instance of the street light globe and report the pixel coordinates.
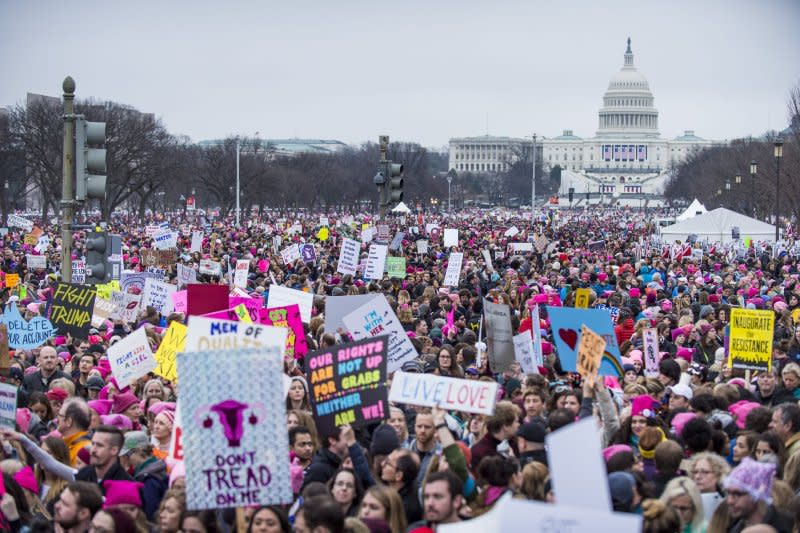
(753, 167)
(778, 147)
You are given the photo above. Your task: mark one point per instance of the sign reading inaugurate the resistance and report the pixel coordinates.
(751, 333)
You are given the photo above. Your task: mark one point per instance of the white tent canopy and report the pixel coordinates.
(716, 226)
(696, 208)
(401, 208)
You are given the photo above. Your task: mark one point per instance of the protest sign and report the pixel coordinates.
(186, 276)
(582, 298)
(375, 318)
(499, 335)
(71, 309)
(166, 356)
(450, 237)
(566, 325)
(131, 357)
(397, 241)
(376, 260)
(347, 384)
(287, 317)
(164, 239)
(134, 281)
(337, 307)
(290, 254)
(151, 229)
(396, 267)
(131, 304)
(590, 353)
(578, 450)
(523, 351)
(36, 261)
(16, 221)
(487, 258)
(12, 280)
(517, 247)
(511, 232)
(179, 301)
(233, 418)
(430, 390)
(8, 406)
(348, 257)
(613, 311)
(751, 333)
(23, 334)
(651, 355)
(31, 239)
(383, 233)
(536, 333)
(202, 299)
(280, 296)
(197, 241)
(158, 295)
(422, 247)
(240, 274)
(309, 253)
(367, 233)
(176, 442)
(453, 271)
(151, 257)
(210, 268)
(104, 290)
(103, 310)
(511, 515)
(205, 333)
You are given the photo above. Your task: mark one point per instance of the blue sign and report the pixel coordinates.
(566, 322)
(26, 335)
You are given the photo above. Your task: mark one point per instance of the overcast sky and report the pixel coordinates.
(416, 70)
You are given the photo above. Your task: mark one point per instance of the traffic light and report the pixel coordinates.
(90, 163)
(98, 248)
(394, 173)
(571, 194)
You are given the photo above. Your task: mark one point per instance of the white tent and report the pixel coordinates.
(716, 226)
(401, 208)
(696, 208)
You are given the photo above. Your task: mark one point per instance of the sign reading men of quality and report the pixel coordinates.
(71, 310)
(430, 390)
(751, 339)
(348, 383)
(233, 418)
(131, 358)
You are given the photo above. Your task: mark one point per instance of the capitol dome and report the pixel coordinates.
(628, 109)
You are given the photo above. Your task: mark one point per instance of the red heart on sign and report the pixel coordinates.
(569, 336)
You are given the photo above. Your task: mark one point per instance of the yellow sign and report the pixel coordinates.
(590, 353)
(582, 298)
(12, 280)
(796, 315)
(751, 334)
(104, 289)
(31, 239)
(243, 314)
(173, 342)
(322, 234)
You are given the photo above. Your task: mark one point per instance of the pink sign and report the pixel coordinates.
(253, 305)
(263, 265)
(287, 317)
(179, 301)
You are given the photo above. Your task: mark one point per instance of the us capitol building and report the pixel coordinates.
(626, 162)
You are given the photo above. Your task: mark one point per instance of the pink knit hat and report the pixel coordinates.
(123, 401)
(611, 451)
(680, 420)
(120, 422)
(644, 405)
(101, 407)
(167, 416)
(740, 410)
(27, 480)
(119, 492)
(754, 478)
(23, 419)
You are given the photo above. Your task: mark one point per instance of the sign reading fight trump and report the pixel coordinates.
(430, 390)
(72, 308)
(751, 336)
(348, 383)
(233, 422)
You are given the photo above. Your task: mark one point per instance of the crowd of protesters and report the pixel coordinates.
(700, 448)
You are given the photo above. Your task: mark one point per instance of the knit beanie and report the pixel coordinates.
(384, 440)
(753, 477)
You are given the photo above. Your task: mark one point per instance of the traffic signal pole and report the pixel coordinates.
(66, 188)
(383, 142)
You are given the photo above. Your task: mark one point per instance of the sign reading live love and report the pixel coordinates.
(72, 308)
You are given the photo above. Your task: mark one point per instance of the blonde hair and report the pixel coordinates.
(791, 368)
(718, 465)
(534, 476)
(392, 503)
(680, 486)
(63, 384)
(659, 518)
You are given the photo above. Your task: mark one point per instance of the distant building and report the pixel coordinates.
(292, 147)
(627, 155)
(486, 154)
